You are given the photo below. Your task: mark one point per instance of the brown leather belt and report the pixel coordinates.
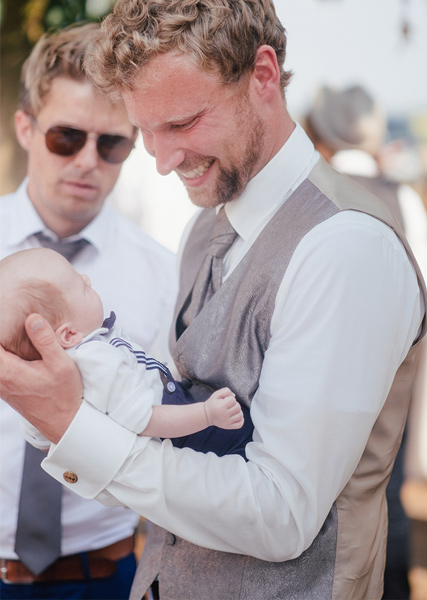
(100, 563)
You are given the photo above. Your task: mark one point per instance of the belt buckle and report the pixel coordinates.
(4, 577)
(3, 572)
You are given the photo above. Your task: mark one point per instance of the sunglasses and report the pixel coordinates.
(67, 141)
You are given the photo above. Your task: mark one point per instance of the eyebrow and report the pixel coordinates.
(182, 118)
(175, 119)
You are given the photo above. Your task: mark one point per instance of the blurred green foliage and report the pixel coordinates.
(30, 18)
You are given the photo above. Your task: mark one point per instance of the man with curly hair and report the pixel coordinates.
(314, 322)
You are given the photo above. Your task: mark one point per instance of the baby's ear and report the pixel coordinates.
(68, 336)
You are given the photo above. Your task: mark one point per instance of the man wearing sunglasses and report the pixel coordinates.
(76, 143)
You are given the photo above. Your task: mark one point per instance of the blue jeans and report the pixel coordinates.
(115, 587)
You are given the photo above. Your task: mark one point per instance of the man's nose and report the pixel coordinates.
(165, 149)
(87, 158)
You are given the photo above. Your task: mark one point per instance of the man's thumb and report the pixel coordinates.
(41, 334)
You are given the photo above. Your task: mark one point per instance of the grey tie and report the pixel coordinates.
(38, 532)
(69, 250)
(209, 278)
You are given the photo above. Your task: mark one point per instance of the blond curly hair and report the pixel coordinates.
(220, 35)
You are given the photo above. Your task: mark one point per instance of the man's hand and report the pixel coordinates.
(47, 392)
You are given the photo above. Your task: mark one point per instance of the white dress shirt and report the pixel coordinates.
(356, 162)
(133, 275)
(346, 314)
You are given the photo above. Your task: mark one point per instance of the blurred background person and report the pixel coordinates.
(348, 127)
(76, 143)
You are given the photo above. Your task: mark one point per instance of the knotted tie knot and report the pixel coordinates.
(209, 277)
(223, 236)
(68, 249)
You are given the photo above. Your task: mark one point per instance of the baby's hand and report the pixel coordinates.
(223, 410)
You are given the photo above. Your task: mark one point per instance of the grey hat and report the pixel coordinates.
(348, 119)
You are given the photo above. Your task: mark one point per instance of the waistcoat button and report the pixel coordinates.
(170, 539)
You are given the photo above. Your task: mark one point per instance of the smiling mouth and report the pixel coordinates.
(198, 171)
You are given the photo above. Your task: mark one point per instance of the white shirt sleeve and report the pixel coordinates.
(33, 436)
(347, 312)
(116, 383)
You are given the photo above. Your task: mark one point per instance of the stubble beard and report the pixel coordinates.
(231, 181)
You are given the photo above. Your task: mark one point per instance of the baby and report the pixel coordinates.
(118, 377)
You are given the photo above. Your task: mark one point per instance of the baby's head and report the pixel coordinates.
(42, 281)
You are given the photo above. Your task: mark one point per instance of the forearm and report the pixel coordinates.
(262, 508)
(323, 383)
(270, 507)
(142, 473)
(221, 409)
(170, 421)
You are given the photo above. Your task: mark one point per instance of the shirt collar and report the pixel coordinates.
(25, 221)
(273, 184)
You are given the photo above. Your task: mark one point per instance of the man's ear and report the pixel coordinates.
(266, 73)
(23, 129)
(68, 336)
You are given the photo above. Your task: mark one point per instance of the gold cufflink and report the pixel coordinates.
(70, 477)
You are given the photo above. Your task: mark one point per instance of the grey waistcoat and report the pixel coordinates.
(225, 346)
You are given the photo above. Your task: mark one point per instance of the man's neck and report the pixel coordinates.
(63, 228)
(60, 226)
(279, 128)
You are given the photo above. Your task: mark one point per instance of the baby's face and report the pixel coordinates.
(85, 304)
(89, 313)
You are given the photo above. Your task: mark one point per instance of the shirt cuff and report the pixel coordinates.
(33, 436)
(90, 453)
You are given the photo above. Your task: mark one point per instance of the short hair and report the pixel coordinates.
(34, 296)
(54, 55)
(220, 35)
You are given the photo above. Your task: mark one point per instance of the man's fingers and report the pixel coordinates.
(43, 337)
(46, 392)
(8, 362)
